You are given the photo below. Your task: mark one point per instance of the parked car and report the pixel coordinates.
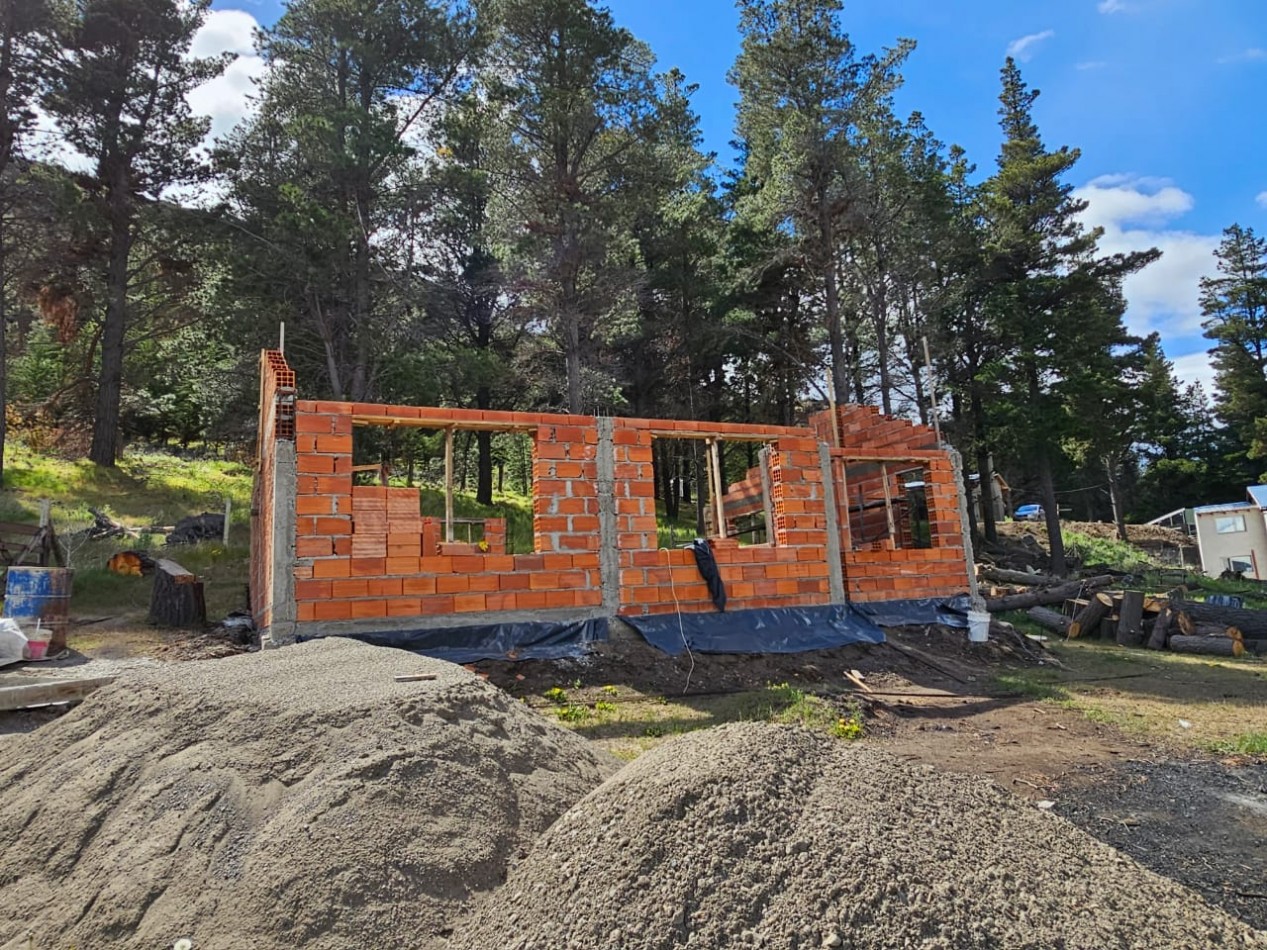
(1030, 513)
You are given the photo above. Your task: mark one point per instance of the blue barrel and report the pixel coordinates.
(40, 595)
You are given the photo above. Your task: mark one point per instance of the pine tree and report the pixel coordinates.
(1058, 306)
(1235, 308)
(576, 95)
(803, 92)
(119, 95)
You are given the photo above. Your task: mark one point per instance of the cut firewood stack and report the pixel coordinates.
(1130, 617)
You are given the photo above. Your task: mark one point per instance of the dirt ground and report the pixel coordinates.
(1053, 727)
(1122, 743)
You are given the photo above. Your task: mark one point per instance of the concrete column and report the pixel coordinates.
(608, 531)
(282, 595)
(835, 564)
(767, 503)
(965, 526)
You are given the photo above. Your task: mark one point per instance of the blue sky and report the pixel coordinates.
(1163, 97)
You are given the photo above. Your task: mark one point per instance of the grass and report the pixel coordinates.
(147, 490)
(1112, 552)
(638, 723)
(1153, 694)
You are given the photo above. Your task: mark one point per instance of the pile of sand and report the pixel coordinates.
(299, 798)
(767, 836)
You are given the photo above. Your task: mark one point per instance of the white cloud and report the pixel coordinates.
(1136, 213)
(1261, 198)
(1195, 368)
(1254, 54)
(1116, 6)
(1023, 48)
(227, 99)
(1090, 64)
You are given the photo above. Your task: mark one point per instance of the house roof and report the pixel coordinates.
(1231, 506)
(1258, 495)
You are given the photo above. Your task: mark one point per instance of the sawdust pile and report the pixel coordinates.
(767, 836)
(299, 798)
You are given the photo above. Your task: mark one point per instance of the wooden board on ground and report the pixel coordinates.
(49, 692)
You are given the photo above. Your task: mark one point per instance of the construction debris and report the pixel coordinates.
(204, 527)
(290, 798)
(752, 835)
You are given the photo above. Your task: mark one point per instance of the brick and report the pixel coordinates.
(351, 587)
(332, 610)
(452, 583)
(367, 566)
(368, 608)
(314, 547)
(465, 603)
(312, 590)
(331, 567)
(401, 565)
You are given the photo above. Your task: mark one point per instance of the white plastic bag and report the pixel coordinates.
(12, 642)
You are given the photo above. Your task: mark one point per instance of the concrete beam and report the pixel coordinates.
(332, 628)
(608, 530)
(281, 629)
(835, 562)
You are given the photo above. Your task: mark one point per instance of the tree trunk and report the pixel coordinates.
(1115, 497)
(1047, 595)
(1055, 541)
(1252, 623)
(573, 358)
(1159, 635)
(985, 476)
(1087, 620)
(1053, 620)
(1000, 576)
(1213, 646)
(4, 335)
(1130, 624)
(105, 428)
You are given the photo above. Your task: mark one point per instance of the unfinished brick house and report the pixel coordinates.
(857, 509)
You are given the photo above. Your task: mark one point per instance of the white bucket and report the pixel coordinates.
(978, 626)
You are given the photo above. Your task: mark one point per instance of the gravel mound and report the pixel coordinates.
(295, 798)
(767, 836)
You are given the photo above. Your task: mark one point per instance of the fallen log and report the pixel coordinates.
(1046, 595)
(1053, 620)
(1000, 576)
(1212, 646)
(177, 599)
(1192, 628)
(1253, 623)
(1130, 624)
(1087, 620)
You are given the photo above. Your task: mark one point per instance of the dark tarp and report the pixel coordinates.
(768, 630)
(529, 640)
(707, 565)
(947, 611)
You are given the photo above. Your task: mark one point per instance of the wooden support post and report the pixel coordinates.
(448, 485)
(715, 480)
(228, 511)
(888, 504)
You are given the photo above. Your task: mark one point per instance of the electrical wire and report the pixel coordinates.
(680, 626)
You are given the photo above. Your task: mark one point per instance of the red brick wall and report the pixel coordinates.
(366, 553)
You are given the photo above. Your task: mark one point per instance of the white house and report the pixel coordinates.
(1233, 537)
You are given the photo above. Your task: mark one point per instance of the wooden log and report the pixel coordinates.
(1192, 628)
(1130, 623)
(1047, 595)
(1159, 634)
(1088, 618)
(177, 599)
(999, 576)
(50, 692)
(1051, 619)
(1253, 623)
(1213, 646)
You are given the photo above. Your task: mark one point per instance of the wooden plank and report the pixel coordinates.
(414, 677)
(178, 574)
(448, 485)
(49, 693)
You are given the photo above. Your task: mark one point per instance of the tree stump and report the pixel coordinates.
(1130, 624)
(1088, 618)
(177, 600)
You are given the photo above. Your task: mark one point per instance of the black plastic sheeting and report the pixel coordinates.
(529, 640)
(768, 630)
(947, 611)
